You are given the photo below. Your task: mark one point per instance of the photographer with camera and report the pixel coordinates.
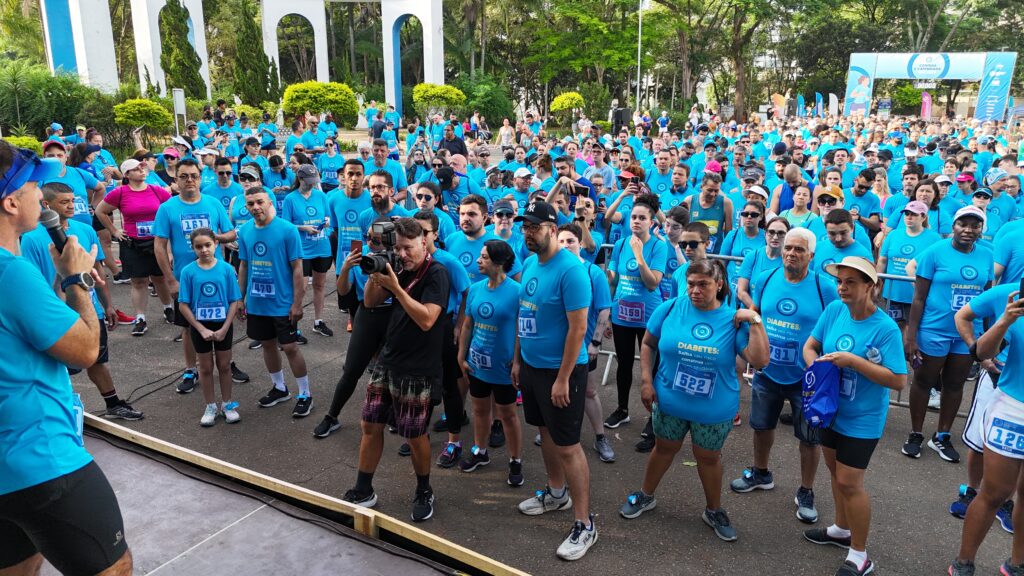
(407, 375)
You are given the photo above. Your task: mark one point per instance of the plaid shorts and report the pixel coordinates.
(407, 397)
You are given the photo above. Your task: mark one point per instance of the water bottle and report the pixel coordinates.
(874, 356)
(79, 411)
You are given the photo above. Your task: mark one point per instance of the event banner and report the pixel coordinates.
(800, 111)
(995, 86)
(833, 104)
(819, 105)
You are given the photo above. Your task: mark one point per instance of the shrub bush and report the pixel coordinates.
(27, 142)
(430, 99)
(146, 113)
(319, 97)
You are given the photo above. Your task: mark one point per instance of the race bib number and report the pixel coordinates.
(1007, 436)
(527, 324)
(144, 228)
(81, 206)
(263, 289)
(479, 359)
(190, 222)
(694, 382)
(896, 311)
(961, 297)
(848, 386)
(211, 313)
(783, 354)
(631, 312)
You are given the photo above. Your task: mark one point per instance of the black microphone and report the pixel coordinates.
(51, 221)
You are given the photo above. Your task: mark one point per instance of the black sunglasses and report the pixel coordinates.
(224, 172)
(503, 214)
(750, 214)
(827, 201)
(424, 196)
(691, 244)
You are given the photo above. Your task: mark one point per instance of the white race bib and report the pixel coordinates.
(263, 289)
(144, 228)
(694, 382)
(527, 324)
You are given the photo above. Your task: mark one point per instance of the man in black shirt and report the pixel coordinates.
(451, 142)
(408, 372)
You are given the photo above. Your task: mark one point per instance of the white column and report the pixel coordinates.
(94, 43)
(195, 13)
(146, 25)
(312, 10)
(430, 15)
(432, 18)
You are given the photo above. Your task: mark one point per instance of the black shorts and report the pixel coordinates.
(321, 264)
(271, 146)
(179, 320)
(73, 520)
(104, 356)
(206, 346)
(504, 394)
(265, 328)
(231, 257)
(852, 452)
(138, 262)
(349, 301)
(563, 424)
(450, 369)
(592, 365)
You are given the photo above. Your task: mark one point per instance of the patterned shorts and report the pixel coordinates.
(406, 397)
(707, 436)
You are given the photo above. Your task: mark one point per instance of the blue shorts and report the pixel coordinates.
(766, 402)
(938, 346)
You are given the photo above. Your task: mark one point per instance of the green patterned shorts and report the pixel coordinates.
(707, 436)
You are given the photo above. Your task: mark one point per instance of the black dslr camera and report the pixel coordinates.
(378, 261)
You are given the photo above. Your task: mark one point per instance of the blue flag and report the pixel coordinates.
(800, 112)
(819, 105)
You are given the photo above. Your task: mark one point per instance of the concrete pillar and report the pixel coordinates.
(146, 24)
(94, 43)
(394, 13)
(58, 35)
(312, 10)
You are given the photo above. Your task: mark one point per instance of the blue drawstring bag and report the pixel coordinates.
(821, 394)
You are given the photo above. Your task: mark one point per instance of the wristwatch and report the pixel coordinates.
(756, 319)
(596, 343)
(83, 279)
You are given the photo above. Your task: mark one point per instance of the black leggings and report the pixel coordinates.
(626, 341)
(369, 326)
(453, 402)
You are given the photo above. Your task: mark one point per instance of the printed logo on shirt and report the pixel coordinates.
(632, 266)
(969, 273)
(702, 331)
(310, 211)
(485, 311)
(351, 217)
(662, 187)
(260, 249)
(907, 249)
(786, 306)
(466, 258)
(531, 286)
(673, 264)
(845, 343)
(225, 201)
(208, 289)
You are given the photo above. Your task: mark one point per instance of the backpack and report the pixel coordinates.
(821, 394)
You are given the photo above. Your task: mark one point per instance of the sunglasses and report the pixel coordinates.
(691, 244)
(224, 173)
(827, 201)
(329, 145)
(437, 165)
(750, 214)
(188, 176)
(424, 196)
(503, 214)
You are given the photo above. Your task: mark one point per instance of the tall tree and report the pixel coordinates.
(178, 58)
(252, 67)
(21, 34)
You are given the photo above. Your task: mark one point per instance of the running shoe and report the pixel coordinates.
(121, 278)
(820, 536)
(786, 418)
(1005, 516)
(805, 510)
(515, 474)
(300, 339)
(543, 501)
(326, 426)
(636, 504)
(124, 319)
(366, 500)
(255, 345)
(934, 399)
(1010, 570)
(958, 568)
(450, 455)
(124, 411)
(645, 445)
(274, 397)
(603, 447)
(753, 480)
(322, 329)
(209, 416)
(475, 460)
(975, 370)
(152, 290)
(942, 443)
(736, 420)
(178, 337)
(617, 418)
(189, 381)
(519, 397)
(423, 505)
(169, 315)
(912, 447)
(537, 440)
(442, 424)
(237, 375)
(303, 406)
(497, 436)
(964, 498)
(405, 450)
(230, 411)
(579, 540)
(718, 520)
(139, 327)
(850, 569)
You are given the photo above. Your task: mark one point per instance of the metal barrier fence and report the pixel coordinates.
(897, 401)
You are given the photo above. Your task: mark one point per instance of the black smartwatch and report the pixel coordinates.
(83, 279)
(596, 343)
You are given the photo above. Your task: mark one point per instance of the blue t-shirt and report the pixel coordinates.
(863, 404)
(602, 299)
(737, 243)
(209, 293)
(396, 170)
(860, 234)
(634, 303)
(366, 217)
(175, 221)
(1010, 254)
(329, 167)
(549, 292)
(38, 428)
(260, 161)
(309, 212)
(269, 253)
(239, 214)
(790, 312)
(344, 213)
(458, 279)
(588, 255)
(82, 183)
(282, 179)
(265, 137)
(492, 346)
(671, 265)
(956, 279)
(991, 304)
(290, 144)
(899, 249)
(696, 375)
(466, 251)
(224, 195)
(867, 205)
(35, 247)
(313, 141)
(659, 183)
(453, 197)
(828, 254)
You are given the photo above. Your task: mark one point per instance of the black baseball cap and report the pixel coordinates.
(538, 212)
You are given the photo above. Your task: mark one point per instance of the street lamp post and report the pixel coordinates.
(639, 41)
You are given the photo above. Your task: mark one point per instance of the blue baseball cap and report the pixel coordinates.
(55, 126)
(27, 167)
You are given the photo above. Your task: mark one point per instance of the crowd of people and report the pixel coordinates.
(720, 253)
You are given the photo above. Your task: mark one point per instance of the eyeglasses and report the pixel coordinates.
(380, 187)
(690, 244)
(827, 201)
(428, 231)
(503, 214)
(484, 154)
(188, 176)
(224, 173)
(437, 165)
(750, 214)
(329, 145)
(981, 195)
(424, 196)
(779, 233)
(245, 179)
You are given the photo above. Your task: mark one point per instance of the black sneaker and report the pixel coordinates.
(121, 278)
(646, 444)
(274, 397)
(786, 418)
(326, 426)
(122, 411)
(139, 327)
(237, 376)
(189, 381)
(820, 536)
(423, 505)
(943, 444)
(300, 339)
(152, 291)
(475, 460)
(912, 447)
(450, 455)
(442, 424)
(303, 406)
(617, 418)
(405, 450)
(515, 474)
(169, 315)
(255, 345)
(850, 569)
(322, 329)
(366, 500)
(178, 337)
(497, 437)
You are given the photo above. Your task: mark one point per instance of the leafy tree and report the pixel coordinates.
(564, 104)
(27, 142)
(320, 97)
(145, 113)
(178, 58)
(431, 99)
(488, 96)
(252, 67)
(19, 30)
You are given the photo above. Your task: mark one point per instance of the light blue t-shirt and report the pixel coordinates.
(453, 197)
(366, 217)
(396, 170)
(82, 183)
(269, 252)
(696, 375)
(827, 253)
(991, 304)
(492, 346)
(344, 213)
(224, 195)
(671, 265)
(458, 279)
(313, 141)
(329, 167)
(175, 221)
(737, 243)
(899, 249)
(1010, 254)
(35, 247)
(209, 293)
(549, 292)
(284, 178)
(789, 312)
(863, 404)
(633, 302)
(466, 251)
(860, 234)
(311, 211)
(602, 299)
(956, 278)
(754, 264)
(38, 428)
(867, 205)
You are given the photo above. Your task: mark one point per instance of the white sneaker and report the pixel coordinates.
(230, 412)
(209, 415)
(934, 399)
(580, 540)
(543, 502)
